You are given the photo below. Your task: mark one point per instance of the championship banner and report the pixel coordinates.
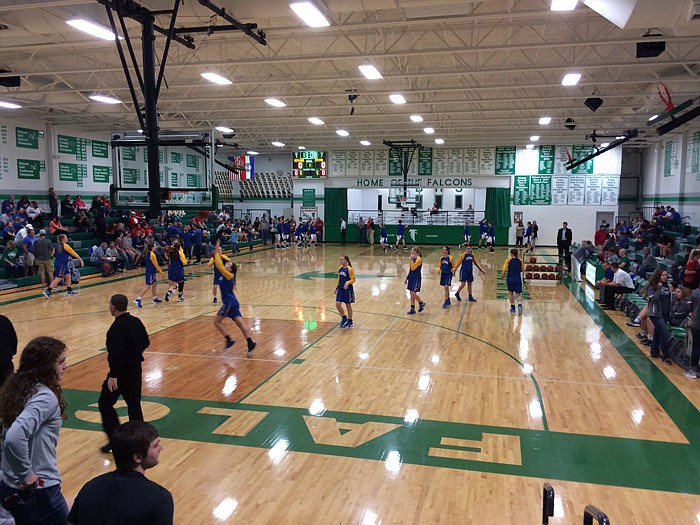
(245, 165)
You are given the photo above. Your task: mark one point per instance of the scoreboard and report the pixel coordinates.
(309, 164)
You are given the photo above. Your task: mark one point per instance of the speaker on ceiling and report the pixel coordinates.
(593, 103)
(9, 81)
(650, 49)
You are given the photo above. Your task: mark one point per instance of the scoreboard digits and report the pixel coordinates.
(309, 164)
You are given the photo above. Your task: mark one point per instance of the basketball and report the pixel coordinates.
(528, 267)
(550, 268)
(528, 275)
(106, 269)
(533, 259)
(536, 276)
(557, 268)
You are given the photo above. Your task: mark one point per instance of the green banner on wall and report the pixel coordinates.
(67, 172)
(27, 138)
(129, 153)
(540, 190)
(580, 152)
(101, 173)
(425, 161)
(67, 144)
(521, 190)
(308, 197)
(131, 175)
(28, 169)
(100, 150)
(545, 166)
(505, 160)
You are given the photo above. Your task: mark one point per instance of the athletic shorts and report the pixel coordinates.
(345, 296)
(466, 275)
(484, 235)
(151, 278)
(176, 275)
(230, 310)
(413, 285)
(45, 266)
(61, 270)
(399, 238)
(514, 285)
(445, 279)
(467, 238)
(383, 240)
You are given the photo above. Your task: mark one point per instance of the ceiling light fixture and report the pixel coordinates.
(216, 79)
(564, 5)
(370, 72)
(301, 147)
(365, 143)
(571, 79)
(397, 99)
(315, 120)
(223, 129)
(92, 29)
(429, 131)
(251, 152)
(530, 146)
(534, 138)
(309, 14)
(9, 105)
(416, 118)
(104, 99)
(544, 121)
(342, 132)
(439, 141)
(278, 144)
(274, 102)
(605, 145)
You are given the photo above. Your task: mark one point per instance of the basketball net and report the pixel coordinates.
(404, 200)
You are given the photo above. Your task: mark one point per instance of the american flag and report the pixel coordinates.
(245, 163)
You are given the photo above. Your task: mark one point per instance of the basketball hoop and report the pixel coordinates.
(404, 200)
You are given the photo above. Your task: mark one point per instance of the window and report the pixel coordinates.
(458, 202)
(438, 201)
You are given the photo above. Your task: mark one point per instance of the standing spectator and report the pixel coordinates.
(43, 249)
(67, 207)
(519, 235)
(470, 214)
(31, 408)
(621, 284)
(659, 296)
(582, 254)
(53, 202)
(564, 237)
(126, 495)
(693, 372)
(28, 249)
(343, 230)
(535, 230)
(8, 348)
(691, 275)
(126, 341)
(370, 231)
(319, 229)
(361, 231)
(600, 236)
(264, 229)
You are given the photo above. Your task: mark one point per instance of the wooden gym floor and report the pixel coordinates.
(449, 416)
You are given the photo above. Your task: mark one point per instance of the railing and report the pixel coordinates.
(440, 218)
(547, 503)
(593, 513)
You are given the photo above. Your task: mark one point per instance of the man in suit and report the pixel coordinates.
(564, 237)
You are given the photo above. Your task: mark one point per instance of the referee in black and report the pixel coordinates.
(126, 341)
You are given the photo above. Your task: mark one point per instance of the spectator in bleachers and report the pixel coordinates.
(691, 274)
(648, 263)
(138, 241)
(81, 221)
(100, 227)
(28, 249)
(112, 252)
(96, 206)
(35, 214)
(43, 252)
(11, 260)
(99, 257)
(623, 241)
(21, 214)
(608, 275)
(624, 260)
(659, 296)
(67, 207)
(124, 253)
(53, 202)
(5, 219)
(681, 306)
(23, 202)
(79, 204)
(667, 247)
(610, 243)
(9, 205)
(621, 284)
(7, 232)
(20, 233)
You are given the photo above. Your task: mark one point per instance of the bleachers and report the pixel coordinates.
(266, 186)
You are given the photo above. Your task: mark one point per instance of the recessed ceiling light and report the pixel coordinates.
(439, 141)
(429, 131)
(223, 129)
(278, 144)
(309, 14)
(530, 146)
(139, 130)
(251, 152)
(104, 99)
(342, 132)
(92, 29)
(216, 79)
(545, 120)
(397, 99)
(9, 105)
(534, 138)
(564, 5)
(416, 118)
(316, 120)
(275, 102)
(301, 147)
(571, 79)
(619, 137)
(370, 72)
(653, 117)
(605, 145)
(365, 143)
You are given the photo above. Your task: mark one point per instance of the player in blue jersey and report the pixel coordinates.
(466, 264)
(230, 308)
(467, 234)
(301, 235)
(513, 272)
(286, 233)
(176, 272)
(63, 252)
(400, 228)
(483, 232)
(446, 269)
(313, 234)
(217, 275)
(152, 269)
(383, 240)
(413, 280)
(491, 238)
(344, 291)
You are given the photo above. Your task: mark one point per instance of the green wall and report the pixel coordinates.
(425, 234)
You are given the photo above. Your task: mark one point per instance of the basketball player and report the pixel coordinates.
(413, 280)
(513, 267)
(344, 291)
(217, 275)
(176, 272)
(446, 269)
(466, 264)
(400, 228)
(63, 253)
(152, 269)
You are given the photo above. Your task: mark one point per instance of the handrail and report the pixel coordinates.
(593, 513)
(547, 503)
(410, 217)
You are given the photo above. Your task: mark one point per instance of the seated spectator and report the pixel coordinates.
(67, 207)
(623, 241)
(35, 214)
(81, 221)
(691, 275)
(607, 278)
(99, 257)
(7, 233)
(23, 202)
(56, 227)
(610, 243)
(113, 253)
(648, 263)
(11, 260)
(121, 248)
(9, 205)
(621, 284)
(667, 247)
(79, 204)
(623, 260)
(96, 206)
(21, 214)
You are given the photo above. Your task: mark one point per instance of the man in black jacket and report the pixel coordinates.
(8, 348)
(564, 237)
(126, 341)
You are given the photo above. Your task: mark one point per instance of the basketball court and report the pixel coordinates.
(452, 415)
